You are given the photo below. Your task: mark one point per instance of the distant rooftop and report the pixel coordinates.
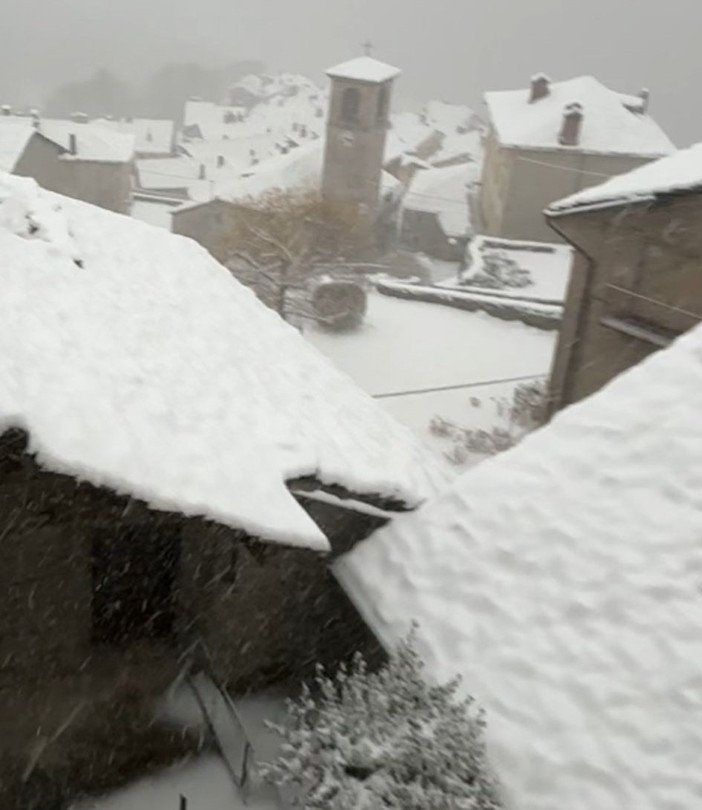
(611, 123)
(364, 69)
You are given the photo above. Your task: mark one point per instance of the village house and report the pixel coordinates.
(177, 466)
(77, 159)
(561, 581)
(554, 139)
(636, 282)
(153, 137)
(346, 166)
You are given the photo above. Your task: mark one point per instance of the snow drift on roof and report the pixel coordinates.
(681, 171)
(364, 69)
(608, 127)
(562, 580)
(151, 135)
(93, 141)
(13, 141)
(151, 371)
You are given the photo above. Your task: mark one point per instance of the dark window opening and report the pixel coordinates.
(134, 574)
(350, 104)
(383, 105)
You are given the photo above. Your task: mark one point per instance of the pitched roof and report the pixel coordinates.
(298, 169)
(151, 135)
(364, 69)
(152, 371)
(93, 142)
(676, 173)
(444, 191)
(13, 141)
(608, 127)
(562, 580)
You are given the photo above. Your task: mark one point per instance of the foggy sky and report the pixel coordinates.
(450, 49)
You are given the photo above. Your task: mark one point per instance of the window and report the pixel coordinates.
(350, 104)
(383, 105)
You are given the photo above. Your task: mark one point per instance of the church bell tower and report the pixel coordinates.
(357, 124)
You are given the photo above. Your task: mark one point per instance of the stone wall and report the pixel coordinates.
(637, 264)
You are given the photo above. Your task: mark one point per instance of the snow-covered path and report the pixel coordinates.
(409, 346)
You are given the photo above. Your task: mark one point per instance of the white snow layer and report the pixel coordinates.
(151, 135)
(93, 142)
(681, 171)
(562, 580)
(608, 127)
(152, 371)
(13, 141)
(364, 69)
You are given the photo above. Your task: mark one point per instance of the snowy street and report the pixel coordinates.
(408, 346)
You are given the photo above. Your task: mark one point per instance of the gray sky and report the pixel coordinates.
(451, 49)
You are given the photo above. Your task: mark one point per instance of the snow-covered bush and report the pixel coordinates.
(360, 740)
(498, 271)
(523, 413)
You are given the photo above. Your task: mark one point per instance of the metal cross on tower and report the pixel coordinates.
(368, 47)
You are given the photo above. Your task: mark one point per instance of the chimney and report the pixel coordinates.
(572, 122)
(201, 173)
(6, 109)
(540, 86)
(73, 143)
(220, 161)
(645, 96)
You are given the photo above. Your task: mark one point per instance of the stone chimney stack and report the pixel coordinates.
(645, 96)
(6, 109)
(202, 172)
(220, 161)
(73, 143)
(572, 123)
(540, 87)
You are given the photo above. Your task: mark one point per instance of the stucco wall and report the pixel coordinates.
(41, 160)
(540, 177)
(108, 185)
(207, 224)
(645, 265)
(353, 156)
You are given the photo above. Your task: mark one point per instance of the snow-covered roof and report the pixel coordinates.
(298, 169)
(608, 127)
(150, 370)
(547, 265)
(13, 141)
(444, 192)
(364, 69)
(679, 172)
(151, 135)
(93, 142)
(562, 580)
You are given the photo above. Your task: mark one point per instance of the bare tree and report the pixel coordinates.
(280, 243)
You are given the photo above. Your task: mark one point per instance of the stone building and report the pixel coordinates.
(636, 282)
(357, 124)
(74, 158)
(177, 465)
(554, 139)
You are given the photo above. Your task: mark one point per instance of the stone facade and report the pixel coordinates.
(82, 613)
(357, 127)
(108, 185)
(636, 284)
(519, 183)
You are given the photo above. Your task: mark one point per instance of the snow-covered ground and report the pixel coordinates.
(412, 346)
(204, 782)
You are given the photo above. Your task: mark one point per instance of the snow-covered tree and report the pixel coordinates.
(361, 740)
(284, 243)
